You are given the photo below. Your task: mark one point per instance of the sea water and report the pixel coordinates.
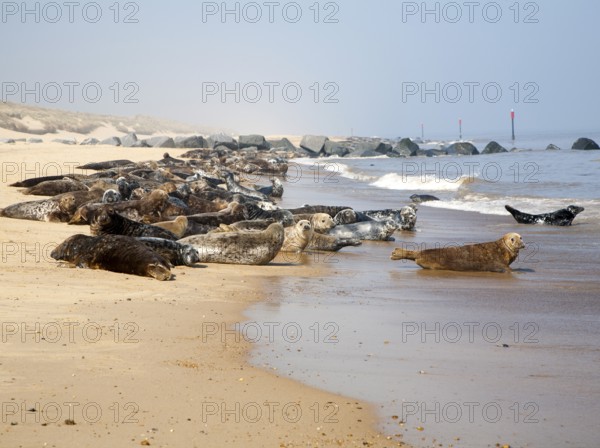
(447, 358)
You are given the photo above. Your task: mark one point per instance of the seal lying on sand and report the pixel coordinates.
(49, 210)
(251, 248)
(234, 187)
(563, 217)
(177, 227)
(367, 231)
(405, 218)
(178, 254)
(274, 191)
(330, 243)
(485, 257)
(298, 237)
(56, 187)
(109, 222)
(150, 207)
(254, 212)
(116, 253)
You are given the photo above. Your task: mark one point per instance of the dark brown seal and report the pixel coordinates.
(109, 222)
(116, 253)
(151, 208)
(485, 257)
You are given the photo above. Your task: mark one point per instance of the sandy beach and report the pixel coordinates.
(132, 361)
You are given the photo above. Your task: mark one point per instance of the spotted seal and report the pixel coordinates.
(563, 217)
(250, 248)
(367, 231)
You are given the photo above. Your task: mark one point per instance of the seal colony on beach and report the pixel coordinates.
(148, 217)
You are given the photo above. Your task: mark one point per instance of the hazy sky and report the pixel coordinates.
(372, 68)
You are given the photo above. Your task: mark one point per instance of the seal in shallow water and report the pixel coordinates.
(563, 217)
(251, 248)
(116, 253)
(485, 257)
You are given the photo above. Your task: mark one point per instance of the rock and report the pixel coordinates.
(129, 140)
(366, 153)
(462, 149)
(140, 144)
(384, 149)
(90, 141)
(161, 142)
(247, 141)
(494, 148)
(7, 140)
(585, 144)
(222, 140)
(429, 153)
(361, 146)
(406, 147)
(339, 149)
(112, 141)
(284, 144)
(313, 143)
(191, 142)
(35, 140)
(65, 141)
(552, 147)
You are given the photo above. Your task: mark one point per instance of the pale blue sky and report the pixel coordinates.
(371, 55)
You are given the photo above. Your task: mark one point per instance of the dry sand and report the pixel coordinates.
(155, 373)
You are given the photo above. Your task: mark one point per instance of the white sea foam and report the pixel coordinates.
(432, 182)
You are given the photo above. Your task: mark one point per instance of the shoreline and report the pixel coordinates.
(544, 311)
(148, 359)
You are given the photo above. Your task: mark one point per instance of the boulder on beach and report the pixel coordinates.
(65, 141)
(227, 141)
(258, 141)
(586, 144)
(494, 148)
(283, 144)
(429, 153)
(313, 143)
(552, 147)
(35, 140)
(90, 141)
(161, 142)
(7, 140)
(462, 149)
(191, 142)
(366, 153)
(112, 141)
(406, 147)
(339, 149)
(129, 140)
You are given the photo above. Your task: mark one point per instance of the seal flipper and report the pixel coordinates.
(158, 271)
(519, 216)
(403, 254)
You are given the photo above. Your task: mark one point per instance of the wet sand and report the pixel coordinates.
(132, 361)
(450, 359)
